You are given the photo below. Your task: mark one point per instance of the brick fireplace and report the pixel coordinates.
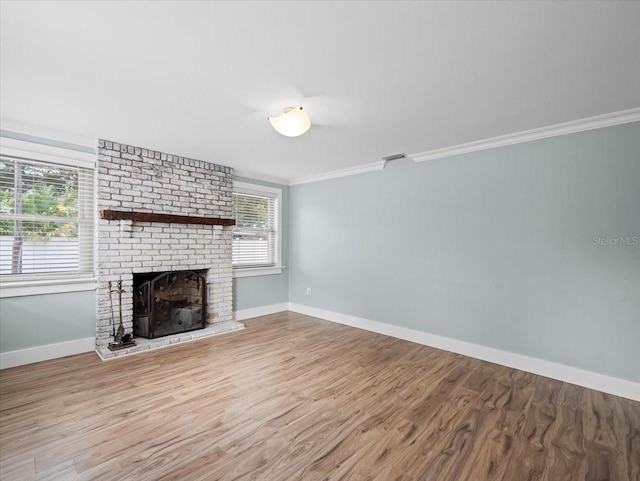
(132, 179)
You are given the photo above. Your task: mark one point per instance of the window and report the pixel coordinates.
(46, 219)
(256, 235)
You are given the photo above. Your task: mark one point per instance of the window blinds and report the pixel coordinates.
(255, 233)
(46, 219)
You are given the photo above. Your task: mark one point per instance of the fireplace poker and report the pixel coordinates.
(113, 322)
(120, 332)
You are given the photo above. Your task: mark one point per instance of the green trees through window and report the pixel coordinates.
(38, 202)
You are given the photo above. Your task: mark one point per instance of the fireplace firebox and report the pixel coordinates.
(169, 303)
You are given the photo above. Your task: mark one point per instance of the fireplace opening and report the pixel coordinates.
(168, 303)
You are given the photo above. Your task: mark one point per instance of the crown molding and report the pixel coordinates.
(360, 169)
(590, 123)
(574, 126)
(263, 178)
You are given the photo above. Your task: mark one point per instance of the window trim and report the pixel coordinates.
(257, 189)
(47, 153)
(64, 157)
(50, 286)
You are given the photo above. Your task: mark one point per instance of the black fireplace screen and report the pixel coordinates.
(168, 303)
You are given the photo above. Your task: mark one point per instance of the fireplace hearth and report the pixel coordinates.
(169, 303)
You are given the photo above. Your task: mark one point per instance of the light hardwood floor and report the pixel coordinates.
(297, 398)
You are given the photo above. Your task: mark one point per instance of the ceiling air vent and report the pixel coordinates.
(389, 158)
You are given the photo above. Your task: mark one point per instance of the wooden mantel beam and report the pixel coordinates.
(166, 218)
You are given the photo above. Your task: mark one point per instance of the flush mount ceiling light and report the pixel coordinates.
(292, 123)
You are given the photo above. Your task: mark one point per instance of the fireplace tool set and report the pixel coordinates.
(121, 340)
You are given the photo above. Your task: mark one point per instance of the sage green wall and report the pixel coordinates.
(494, 247)
(259, 291)
(39, 320)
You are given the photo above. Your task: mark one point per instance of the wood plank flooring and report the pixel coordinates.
(297, 398)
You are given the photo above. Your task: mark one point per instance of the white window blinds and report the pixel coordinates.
(46, 219)
(256, 233)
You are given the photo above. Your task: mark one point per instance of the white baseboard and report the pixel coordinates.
(44, 353)
(560, 372)
(243, 314)
(580, 377)
(78, 346)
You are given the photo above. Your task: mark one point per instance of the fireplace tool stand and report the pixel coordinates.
(121, 340)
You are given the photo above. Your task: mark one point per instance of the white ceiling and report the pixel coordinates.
(199, 78)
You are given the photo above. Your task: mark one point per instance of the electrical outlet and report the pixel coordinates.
(308, 291)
